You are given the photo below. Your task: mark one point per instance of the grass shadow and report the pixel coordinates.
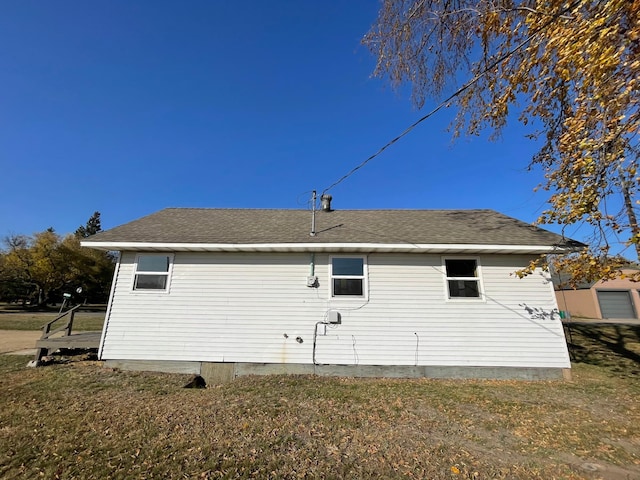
(613, 346)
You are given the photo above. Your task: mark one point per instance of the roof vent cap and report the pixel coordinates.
(326, 202)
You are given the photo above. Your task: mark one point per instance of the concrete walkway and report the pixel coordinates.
(19, 342)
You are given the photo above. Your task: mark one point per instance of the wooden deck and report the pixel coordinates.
(75, 340)
(61, 337)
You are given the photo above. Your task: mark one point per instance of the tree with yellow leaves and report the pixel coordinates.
(41, 267)
(571, 67)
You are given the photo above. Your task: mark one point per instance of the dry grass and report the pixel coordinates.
(83, 321)
(80, 420)
(614, 346)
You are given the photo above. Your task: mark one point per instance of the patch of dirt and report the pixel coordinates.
(599, 468)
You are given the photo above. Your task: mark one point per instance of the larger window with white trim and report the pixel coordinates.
(348, 277)
(463, 277)
(152, 272)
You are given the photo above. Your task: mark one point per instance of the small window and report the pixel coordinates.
(347, 276)
(463, 280)
(152, 272)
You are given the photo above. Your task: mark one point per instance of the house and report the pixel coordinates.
(605, 299)
(399, 293)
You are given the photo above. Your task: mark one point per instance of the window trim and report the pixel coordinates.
(168, 274)
(478, 278)
(364, 277)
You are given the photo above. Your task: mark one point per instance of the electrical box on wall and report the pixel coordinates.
(312, 281)
(333, 316)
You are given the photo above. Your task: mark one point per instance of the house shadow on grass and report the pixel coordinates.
(613, 346)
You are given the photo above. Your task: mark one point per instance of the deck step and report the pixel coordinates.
(75, 340)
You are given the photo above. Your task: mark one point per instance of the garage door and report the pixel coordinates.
(616, 304)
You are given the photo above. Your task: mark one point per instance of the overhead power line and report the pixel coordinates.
(464, 87)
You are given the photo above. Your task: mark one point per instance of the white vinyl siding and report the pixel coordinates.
(251, 307)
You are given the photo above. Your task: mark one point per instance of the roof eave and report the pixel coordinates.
(323, 247)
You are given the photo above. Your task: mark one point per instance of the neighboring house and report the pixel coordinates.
(616, 299)
(402, 293)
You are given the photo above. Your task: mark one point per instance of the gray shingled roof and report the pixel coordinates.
(262, 226)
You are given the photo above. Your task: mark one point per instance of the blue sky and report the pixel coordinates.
(128, 107)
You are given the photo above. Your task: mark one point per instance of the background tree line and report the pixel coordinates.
(38, 269)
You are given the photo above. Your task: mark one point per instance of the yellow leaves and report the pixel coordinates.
(588, 265)
(455, 470)
(565, 74)
(578, 77)
(529, 269)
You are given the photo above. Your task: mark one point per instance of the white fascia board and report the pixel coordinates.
(321, 247)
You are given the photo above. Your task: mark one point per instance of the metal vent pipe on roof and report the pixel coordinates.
(326, 202)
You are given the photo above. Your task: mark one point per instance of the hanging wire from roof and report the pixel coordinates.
(446, 102)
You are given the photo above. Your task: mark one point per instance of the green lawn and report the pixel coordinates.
(80, 420)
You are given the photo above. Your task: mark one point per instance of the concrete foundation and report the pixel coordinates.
(216, 373)
(166, 366)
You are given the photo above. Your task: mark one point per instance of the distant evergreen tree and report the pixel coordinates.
(92, 226)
